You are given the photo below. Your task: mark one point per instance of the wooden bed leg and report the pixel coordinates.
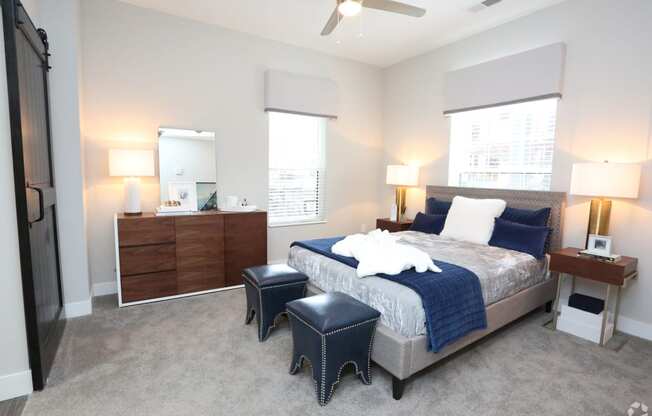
(398, 386)
(549, 307)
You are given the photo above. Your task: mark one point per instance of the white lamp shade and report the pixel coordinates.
(402, 175)
(128, 162)
(609, 180)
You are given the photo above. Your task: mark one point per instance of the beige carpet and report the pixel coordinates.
(195, 356)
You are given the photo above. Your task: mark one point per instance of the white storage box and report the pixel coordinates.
(584, 324)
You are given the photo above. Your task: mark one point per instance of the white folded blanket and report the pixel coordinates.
(379, 252)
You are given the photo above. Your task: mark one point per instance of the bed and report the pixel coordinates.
(513, 284)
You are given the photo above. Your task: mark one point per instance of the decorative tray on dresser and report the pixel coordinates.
(164, 257)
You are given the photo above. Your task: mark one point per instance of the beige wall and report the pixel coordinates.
(606, 113)
(61, 18)
(143, 69)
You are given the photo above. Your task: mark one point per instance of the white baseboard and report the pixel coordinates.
(75, 309)
(633, 327)
(105, 288)
(15, 385)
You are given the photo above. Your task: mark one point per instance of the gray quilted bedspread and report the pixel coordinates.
(502, 273)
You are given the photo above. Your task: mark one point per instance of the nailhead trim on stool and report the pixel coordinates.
(321, 392)
(262, 332)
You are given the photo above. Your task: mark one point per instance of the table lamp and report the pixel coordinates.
(601, 181)
(131, 164)
(402, 176)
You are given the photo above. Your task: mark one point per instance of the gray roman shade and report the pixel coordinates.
(300, 94)
(527, 76)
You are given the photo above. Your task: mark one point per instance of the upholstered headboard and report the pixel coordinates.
(517, 199)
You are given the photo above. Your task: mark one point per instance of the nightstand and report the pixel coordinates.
(393, 226)
(615, 275)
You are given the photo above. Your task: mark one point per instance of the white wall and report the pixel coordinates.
(15, 376)
(33, 10)
(143, 69)
(196, 158)
(606, 113)
(61, 19)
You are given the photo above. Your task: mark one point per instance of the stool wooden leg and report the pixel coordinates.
(250, 315)
(365, 371)
(297, 363)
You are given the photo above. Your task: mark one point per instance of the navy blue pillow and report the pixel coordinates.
(436, 207)
(538, 218)
(431, 224)
(520, 237)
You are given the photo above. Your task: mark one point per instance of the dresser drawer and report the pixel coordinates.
(147, 259)
(200, 253)
(197, 281)
(146, 230)
(148, 286)
(245, 244)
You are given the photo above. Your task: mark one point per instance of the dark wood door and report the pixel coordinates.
(26, 52)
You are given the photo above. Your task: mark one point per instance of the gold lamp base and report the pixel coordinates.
(400, 203)
(599, 217)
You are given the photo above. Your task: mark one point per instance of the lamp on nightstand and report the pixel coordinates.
(131, 164)
(601, 181)
(402, 176)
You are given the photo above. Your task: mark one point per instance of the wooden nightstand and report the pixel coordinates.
(615, 275)
(393, 226)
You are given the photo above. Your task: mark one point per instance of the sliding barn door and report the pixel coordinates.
(26, 50)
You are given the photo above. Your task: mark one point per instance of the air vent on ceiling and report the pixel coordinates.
(485, 4)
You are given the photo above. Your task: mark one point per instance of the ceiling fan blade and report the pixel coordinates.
(394, 7)
(331, 24)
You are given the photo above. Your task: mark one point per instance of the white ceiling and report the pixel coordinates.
(386, 39)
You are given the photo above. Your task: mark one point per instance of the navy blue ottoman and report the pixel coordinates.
(268, 289)
(331, 331)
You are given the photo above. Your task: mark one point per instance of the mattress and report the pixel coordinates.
(501, 272)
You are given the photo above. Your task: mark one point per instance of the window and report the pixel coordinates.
(296, 168)
(508, 147)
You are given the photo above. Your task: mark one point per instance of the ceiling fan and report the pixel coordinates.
(349, 8)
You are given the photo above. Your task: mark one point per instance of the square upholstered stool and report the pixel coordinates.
(268, 289)
(331, 331)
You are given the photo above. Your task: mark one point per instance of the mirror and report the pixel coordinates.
(187, 168)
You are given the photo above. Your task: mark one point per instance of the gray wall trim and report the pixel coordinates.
(522, 100)
(300, 113)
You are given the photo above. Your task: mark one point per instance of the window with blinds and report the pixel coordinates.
(297, 146)
(507, 147)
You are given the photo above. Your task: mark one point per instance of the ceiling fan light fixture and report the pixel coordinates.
(349, 8)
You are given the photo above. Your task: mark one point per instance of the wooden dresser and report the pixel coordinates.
(173, 256)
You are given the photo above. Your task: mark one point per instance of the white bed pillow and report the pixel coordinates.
(472, 220)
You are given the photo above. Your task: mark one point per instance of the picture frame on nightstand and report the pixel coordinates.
(600, 246)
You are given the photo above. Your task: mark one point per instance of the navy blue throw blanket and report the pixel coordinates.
(452, 299)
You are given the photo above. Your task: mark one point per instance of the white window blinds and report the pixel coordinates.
(507, 147)
(296, 168)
